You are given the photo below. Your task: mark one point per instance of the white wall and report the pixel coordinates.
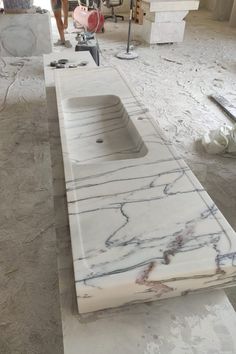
(124, 8)
(221, 8)
(44, 4)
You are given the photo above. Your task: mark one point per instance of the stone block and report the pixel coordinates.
(166, 32)
(168, 16)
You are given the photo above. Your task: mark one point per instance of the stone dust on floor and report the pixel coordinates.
(29, 298)
(174, 82)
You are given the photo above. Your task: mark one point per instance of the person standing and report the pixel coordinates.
(57, 7)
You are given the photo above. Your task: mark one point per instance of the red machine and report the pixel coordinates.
(89, 16)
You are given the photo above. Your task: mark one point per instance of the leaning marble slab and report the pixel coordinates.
(142, 226)
(25, 35)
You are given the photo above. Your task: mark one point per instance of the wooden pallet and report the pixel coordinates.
(134, 12)
(138, 12)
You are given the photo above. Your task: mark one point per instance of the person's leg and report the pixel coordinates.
(56, 7)
(65, 8)
(60, 25)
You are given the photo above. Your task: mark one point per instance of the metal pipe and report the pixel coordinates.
(130, 20)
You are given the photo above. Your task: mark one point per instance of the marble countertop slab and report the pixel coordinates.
(161, 327)
(72, 57)
(142, 229)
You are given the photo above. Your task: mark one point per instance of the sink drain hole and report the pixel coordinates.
(99, 141)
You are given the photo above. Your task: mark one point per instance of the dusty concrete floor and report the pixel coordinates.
(29, 302)
(175, 92)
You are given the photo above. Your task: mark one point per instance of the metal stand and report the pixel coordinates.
(113, 15)
(128, 55)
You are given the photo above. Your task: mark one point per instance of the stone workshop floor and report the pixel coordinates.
(173, 81)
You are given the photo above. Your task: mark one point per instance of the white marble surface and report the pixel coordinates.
(160, 327)
(141, 229)
(163, 32)
(24, 35)
(72, 57)
(172, 5)
(159, 17)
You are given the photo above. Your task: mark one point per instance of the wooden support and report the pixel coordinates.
(138, 12)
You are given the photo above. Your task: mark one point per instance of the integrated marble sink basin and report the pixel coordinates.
(100, 130)
(142, 229)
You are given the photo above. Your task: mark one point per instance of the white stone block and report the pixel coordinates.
(166, 32)
(25, 34)
(169, 16)
(172, 5)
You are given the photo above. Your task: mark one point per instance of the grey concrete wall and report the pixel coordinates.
(208, 4)
(232, 21)
(221, 8)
